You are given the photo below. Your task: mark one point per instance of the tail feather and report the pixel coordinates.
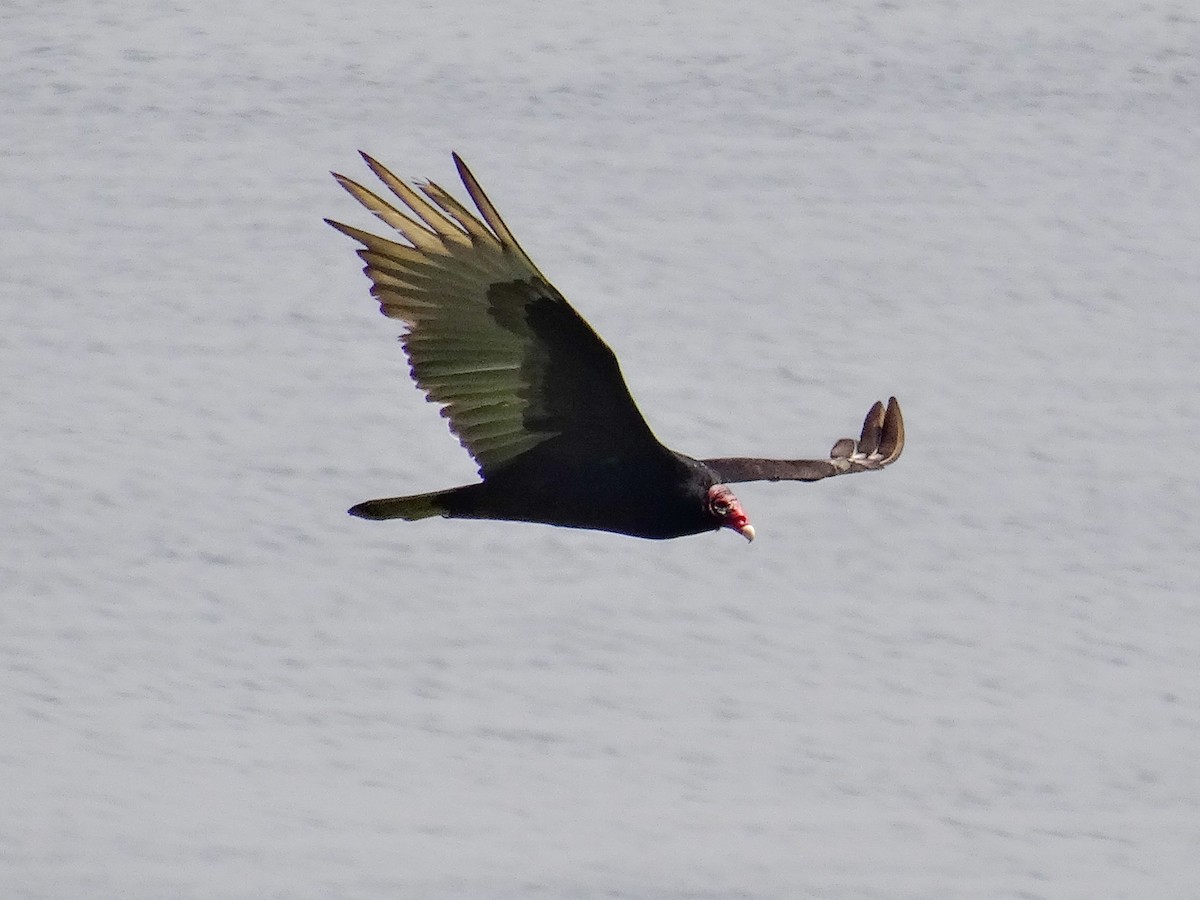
(417, 506)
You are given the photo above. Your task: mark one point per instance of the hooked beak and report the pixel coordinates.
(740, 522)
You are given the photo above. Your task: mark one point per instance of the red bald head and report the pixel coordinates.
(725, 508)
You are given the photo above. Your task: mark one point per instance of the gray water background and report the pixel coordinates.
(974, 675)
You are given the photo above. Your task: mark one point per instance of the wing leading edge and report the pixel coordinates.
(880, 444)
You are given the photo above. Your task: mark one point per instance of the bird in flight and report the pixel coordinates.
(535, 395)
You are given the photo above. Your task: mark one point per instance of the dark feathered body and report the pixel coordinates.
(658, 497)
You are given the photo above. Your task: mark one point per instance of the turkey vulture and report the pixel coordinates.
(535, 395)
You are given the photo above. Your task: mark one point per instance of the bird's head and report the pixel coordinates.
(724, 507)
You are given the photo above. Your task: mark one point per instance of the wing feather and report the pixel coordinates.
(488, 337)
(491, 215)
(879, 444)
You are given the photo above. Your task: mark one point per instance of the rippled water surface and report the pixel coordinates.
(974, 675)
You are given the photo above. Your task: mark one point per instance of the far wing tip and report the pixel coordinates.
(891, 443)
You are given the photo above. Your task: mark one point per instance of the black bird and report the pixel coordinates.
(534, 394)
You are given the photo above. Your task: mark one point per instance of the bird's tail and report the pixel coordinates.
(417, 506)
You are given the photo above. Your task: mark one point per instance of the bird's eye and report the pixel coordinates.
(720, 507)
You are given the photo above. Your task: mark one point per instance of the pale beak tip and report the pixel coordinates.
(747, 531)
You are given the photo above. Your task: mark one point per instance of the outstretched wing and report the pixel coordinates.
(879, 445)
(489, 338)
